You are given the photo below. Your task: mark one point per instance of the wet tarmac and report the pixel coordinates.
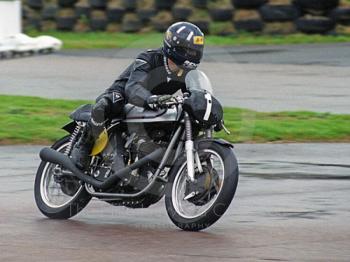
(288, 207)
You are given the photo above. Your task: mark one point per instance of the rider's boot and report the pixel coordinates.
(82, 149)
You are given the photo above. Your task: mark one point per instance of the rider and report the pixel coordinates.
(149, 81)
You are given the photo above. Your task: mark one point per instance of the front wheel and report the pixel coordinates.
(194, 206)
(58, 194)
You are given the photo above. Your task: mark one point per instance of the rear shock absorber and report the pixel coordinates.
(72, 139)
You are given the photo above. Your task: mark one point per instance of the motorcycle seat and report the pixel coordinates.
(82, 113)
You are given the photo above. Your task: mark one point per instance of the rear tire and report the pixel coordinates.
(315, 25)
(223, 199)
(70, 208)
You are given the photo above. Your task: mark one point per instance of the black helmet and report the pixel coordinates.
(184, 44)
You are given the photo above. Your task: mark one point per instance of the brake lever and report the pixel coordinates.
(221, 126)
(225, 129)
(179, 99)
(174, 101)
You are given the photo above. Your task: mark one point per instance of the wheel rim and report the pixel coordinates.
(185, 208)
(50, 191)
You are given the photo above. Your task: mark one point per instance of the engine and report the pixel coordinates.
(141, 141)
(138, 143)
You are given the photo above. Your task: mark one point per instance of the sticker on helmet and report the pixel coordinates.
(198, 40)
(168, 35)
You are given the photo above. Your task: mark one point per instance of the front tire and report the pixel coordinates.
(220, 202)
(71, 200)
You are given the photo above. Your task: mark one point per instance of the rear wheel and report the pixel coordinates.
(58, 194)
(196, 206)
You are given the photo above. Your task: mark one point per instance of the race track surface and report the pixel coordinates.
(300, 213)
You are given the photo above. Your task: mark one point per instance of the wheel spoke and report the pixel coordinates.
(190, 209)
(52, 192)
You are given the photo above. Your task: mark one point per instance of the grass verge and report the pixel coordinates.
(95, 40)
(33, 120)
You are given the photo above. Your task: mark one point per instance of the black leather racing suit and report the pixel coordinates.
(147, 75)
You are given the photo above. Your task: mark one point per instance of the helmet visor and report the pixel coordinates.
(191, 55)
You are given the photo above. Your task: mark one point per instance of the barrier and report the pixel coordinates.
(221, 17)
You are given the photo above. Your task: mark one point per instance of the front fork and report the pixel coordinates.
(192, 156)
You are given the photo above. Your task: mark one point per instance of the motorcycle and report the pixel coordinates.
(169, 152)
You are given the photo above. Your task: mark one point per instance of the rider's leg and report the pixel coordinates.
(118, 162)
(118, 102)
(82, 149)
(107, 106)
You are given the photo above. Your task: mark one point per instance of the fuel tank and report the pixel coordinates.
(135, 114)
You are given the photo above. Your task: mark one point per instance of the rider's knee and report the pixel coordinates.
(100, 111)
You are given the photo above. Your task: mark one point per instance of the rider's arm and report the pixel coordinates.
(135, 89)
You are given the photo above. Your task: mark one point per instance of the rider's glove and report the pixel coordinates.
(154, 102)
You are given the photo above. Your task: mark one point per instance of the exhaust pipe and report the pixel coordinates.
(52, 156)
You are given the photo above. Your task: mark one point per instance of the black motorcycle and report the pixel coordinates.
(170, 151)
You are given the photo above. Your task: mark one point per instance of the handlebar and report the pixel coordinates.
(176, 100)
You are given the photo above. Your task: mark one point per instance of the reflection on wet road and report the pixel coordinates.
(287, 218)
